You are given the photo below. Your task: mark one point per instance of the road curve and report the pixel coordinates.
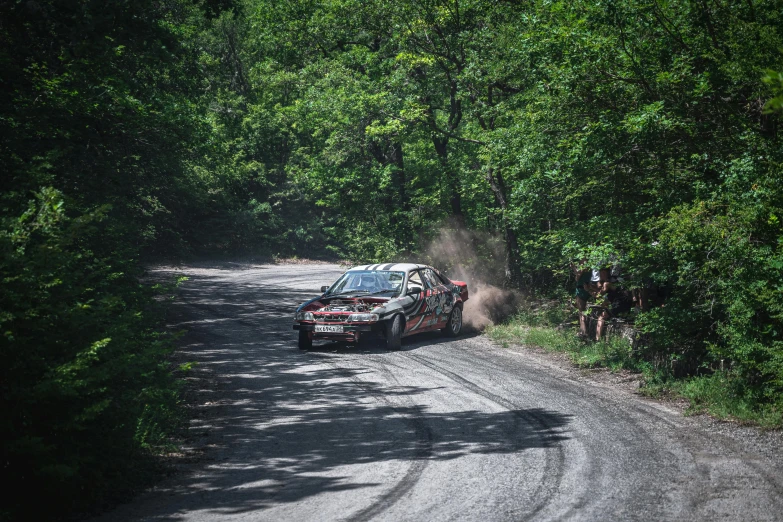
(442, 430)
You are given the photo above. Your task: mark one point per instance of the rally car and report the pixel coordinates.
(387, 300)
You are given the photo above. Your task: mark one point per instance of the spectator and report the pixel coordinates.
(584, 291)
(616, 300)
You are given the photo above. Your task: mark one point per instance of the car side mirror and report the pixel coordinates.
(324, 289)
(414, 290)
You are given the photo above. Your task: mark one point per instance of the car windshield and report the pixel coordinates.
(372, 282)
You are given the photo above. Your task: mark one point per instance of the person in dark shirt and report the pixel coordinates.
(616, 300)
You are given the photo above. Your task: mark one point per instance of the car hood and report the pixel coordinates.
(345, 304)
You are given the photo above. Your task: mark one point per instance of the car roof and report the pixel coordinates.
(396, 267)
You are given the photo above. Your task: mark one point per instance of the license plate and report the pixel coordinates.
(328, 328)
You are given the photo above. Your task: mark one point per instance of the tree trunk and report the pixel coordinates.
(389, 153)
(398, 176)
(450, 177)
(513, 276)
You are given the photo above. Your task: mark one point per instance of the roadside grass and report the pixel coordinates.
(613, 353)
(724, 396)
(719, 394)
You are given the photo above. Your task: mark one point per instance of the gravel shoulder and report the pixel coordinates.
(767, 442)
(442, 430)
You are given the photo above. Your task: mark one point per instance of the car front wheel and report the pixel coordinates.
(394, 334)
(305, 342)
(454, 326)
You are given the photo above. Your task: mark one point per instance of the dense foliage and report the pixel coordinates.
(647, 132)
(91, 144)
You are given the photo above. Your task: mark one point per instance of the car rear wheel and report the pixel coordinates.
(305, 342)
(454, 325)
(394, 334)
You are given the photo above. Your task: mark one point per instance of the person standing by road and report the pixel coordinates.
(616, 301)
(584, 287)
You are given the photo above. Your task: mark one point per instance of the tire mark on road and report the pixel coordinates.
(554, 467)
(701, 473)
(648, 413)
(420, 457)
(592, 466)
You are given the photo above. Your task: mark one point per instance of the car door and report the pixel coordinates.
(415, 306)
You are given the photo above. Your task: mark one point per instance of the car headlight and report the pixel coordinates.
(362, 318)
(304, 316)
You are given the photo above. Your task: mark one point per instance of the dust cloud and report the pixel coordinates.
(478, 259)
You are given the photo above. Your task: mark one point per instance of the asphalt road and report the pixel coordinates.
(442, 430)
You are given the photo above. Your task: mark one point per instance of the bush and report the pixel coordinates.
(87, 393)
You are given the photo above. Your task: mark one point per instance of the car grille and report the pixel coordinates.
(331, 318)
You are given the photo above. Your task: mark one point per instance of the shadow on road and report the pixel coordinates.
(277, 425)
(376, 345)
